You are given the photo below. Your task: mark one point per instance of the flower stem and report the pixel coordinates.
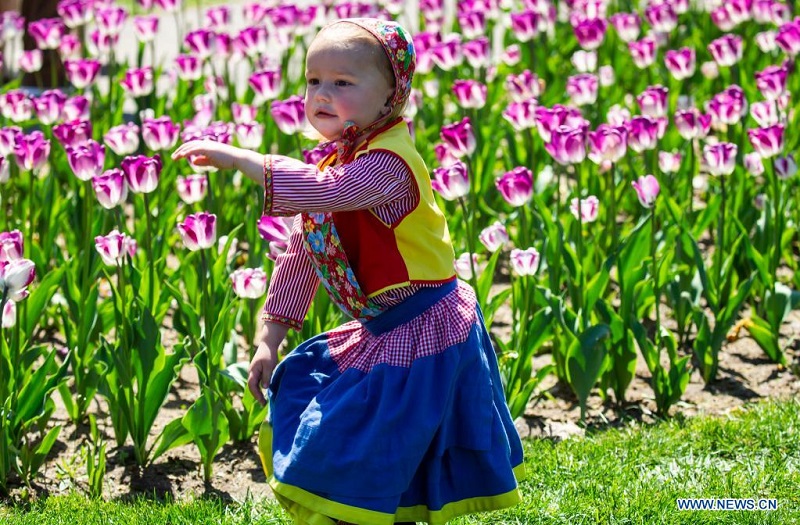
(656, 287)
(149, 241)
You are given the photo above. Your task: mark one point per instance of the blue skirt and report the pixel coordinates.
(401, 418)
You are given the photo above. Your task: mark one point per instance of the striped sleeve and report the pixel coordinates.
(375, 180)
(293, 283)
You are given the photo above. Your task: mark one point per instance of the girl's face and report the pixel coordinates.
(344, 81)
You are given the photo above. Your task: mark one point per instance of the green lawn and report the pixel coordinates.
(629, 476)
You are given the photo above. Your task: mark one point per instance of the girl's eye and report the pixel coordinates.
(342, 83)
(312, 81)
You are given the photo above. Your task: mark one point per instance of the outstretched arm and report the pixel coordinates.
(223, 156)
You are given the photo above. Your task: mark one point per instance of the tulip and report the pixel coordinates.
(249, 283)
(720, 158)
(250, 135)
(448, 54)
(199, 231)
(692, 124)
(243, 113)
(511, 55)
(753, 164)
(464, 266)
(681, 63)
(15, 276)
(192, 188)
(607, 143)
(31, 151)
(289, 114)
(123, 139)
(661, 17)
(768, 141)
(201, 42)
(726, 50)
(169, 6)
(218, 17)
(525, 25)
(567, 145)
(4, 170)
(115, 247)
(145, 27)
(494, 236)
(459, 137)
(82, 72)
(275, 230)
(160, 134)
(627, 25)
(87, 159)
(451, 182)
(582, 89)
(469, 93)
(31, 61)
(785, 167)
(516, 186)
(524, 262)
(265, 84)
(642, 133)
(12, 246)
(315, 155)
(647, 190)
(16, 105)
(766, 41)
(727, 107)
(141, 172)
(589, 207)
(74, 13)
(584, 61)
(9, 318)
(669, 162)
(138, 82)
(472, 23)
(76, 108)
(788, 38)
(772, 81)
(653, 101)
(590, 33)
(8, 139)
(49, 106)
(643, 52)
(110, 188)
(521, 115)
(73, 132)
(110, 20)
(70, 47)
(47, 32)
(189, 67)
(477, 52)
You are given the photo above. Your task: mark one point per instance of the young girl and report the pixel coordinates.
(399, 415)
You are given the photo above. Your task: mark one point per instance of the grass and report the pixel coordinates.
(618, 476)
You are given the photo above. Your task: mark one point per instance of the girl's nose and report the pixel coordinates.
(322, 93)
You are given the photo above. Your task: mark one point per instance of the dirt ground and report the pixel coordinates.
(745, 375)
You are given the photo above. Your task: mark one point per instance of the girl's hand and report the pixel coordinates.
(261, 368)
(208, 153)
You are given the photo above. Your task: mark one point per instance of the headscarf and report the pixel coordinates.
(399, 48)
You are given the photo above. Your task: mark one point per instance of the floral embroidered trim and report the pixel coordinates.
(291, 323)
(267, 185)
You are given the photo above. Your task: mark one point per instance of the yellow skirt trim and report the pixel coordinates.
(299, 503)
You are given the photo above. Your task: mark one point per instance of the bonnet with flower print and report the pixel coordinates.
(399, 49)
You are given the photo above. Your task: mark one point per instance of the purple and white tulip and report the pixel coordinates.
(199, 231)
(110, 188)
(647, 189)
(516, 186)
(87, 159)
(31, 150)
(459, 137)
(123, 139)
(115, 247)
(192, 188)
(160, 133)
(589, 208)
(608, 143)
(12, 245)
(15, 276)
(138, 82)
(494, 236)
(141, 172)
(451, 182)
(720, 158)
(524, 262)
(47, 32)
(768, 141)
(289, 114)
(249, 283)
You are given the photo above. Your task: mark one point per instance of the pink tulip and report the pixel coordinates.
(110, 20)
(472, 23)
(661, 17)
(451, 182)
(31, 151)
(243, 113)
(589, 208)
(31, 61)
(642, 133)
(160, 133)
(49, 106)
(199, 231)
(720, 158)
(463, 266)
(448, 54)
(524, 262)
(15, 276)
(249, 283)
(266, 84)
(477, 52)
(766, 41)
(523, 86)
(250, 135)
(459, 137)
(47, 32)
(138, 82)
(70, 47)
(548, 119)
(643, 52)
(647, 190)
(101, 44)
(767, 142)
(590, 32)
(169, 6)
(201, 42)
(726, 50)
(9, 318)
(424, 42)
(115, 247)
(145, 27)
(12, 245)
(692, 124)
(669, 162)
(289, 114)
(516, 186)
(110, 188)
(141, 172)
(189, 67)
(788, 38)
(494, 236)
(469, 93)
(681, 63)
(785, 167)
(73, 133)
(511, 55)
(315, 155)
(16, 105)
(275, 230)
(8, 139)
(582, 89)
(567, 145)
(87, 159)
(753, 164)
(627, 25)
(123, 139)
(608, 143)
(74, 13)
(772, 81)
(525, 25)
(192, 188)
(521, 115)
(218, 17)
(82, 73)
(727, 107)
(653, 101)
(721, 18)
(76, 108)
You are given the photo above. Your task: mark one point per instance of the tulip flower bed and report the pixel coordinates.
(620, 185)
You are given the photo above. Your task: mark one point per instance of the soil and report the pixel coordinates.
(745, 375)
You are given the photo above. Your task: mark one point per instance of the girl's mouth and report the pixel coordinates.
(324, 114)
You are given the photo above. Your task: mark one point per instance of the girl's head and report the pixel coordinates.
(358, 75)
